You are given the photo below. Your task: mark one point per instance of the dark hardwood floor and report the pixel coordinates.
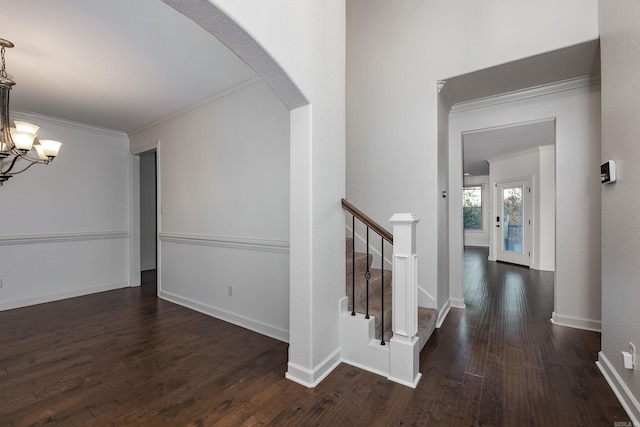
(127, 358)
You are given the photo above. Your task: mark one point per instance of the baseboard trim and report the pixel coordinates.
(312, 377)
(620, 389)
(442, 313)
(576, 322)
(543, 267)
(236, 319)
(366, 368)
(457, 303)
(42, 299)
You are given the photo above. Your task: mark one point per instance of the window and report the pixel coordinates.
(472, 207)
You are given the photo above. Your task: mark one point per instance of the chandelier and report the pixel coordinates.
(20, 148)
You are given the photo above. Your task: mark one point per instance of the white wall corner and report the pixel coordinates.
(576, 322)
(620, 389)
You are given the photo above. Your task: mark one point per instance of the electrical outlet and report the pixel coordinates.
(633, 354)
(0, 282)
(230, 291)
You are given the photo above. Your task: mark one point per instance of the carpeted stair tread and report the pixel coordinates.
(426, 317)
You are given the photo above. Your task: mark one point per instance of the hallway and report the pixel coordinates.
(511, 364)
(126, 357)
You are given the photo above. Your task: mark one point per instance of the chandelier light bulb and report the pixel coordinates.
(26, 127)
(50, 147)
(40, 150)
(22, 140)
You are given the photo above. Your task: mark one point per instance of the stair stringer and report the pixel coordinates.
(358, 344)
(425, 299)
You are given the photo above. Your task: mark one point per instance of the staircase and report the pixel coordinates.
(380, 280)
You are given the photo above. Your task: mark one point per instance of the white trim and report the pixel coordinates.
(24, 302)
(312, 377)
(543, 267)
(443, 91)
(254, 81)
(62, 237)
(457, 303)
(425, 299)
(576, 322)
(227, 316)
(622, 392)
(442, 314)
(267, 245)
(39, 118)
(517, 95)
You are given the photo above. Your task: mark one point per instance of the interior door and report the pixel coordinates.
(514, 223)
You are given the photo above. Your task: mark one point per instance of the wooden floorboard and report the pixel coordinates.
(126, 357)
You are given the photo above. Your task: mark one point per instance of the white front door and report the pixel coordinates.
(514, 221)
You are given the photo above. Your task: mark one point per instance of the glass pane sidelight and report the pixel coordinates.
(512, 214)
(472, 207)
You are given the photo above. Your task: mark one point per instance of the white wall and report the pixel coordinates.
(224, 179)
(396, 52)
(577, 256)
(306, 41)
(65, 226)
(148, 237)
(528, 164)
(480, 237)
(620, 45)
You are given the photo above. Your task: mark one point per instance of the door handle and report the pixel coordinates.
(498, 225)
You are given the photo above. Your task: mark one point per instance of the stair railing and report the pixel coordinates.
(384, 235)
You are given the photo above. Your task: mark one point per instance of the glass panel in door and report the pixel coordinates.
(512, 204)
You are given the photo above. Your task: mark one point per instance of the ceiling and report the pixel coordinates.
(488, 144)
(560, 65)
(122, 64)
(116, 64)
(563, 64)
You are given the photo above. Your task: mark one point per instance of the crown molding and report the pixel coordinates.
(443, 91)
(517, 95)
(41, 118)
(255, 81)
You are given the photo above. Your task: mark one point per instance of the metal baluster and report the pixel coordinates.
(367, 275)
(353, 265)
(382, 287)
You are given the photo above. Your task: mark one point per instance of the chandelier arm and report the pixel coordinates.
(13, 163)
(31, 163)
(30, 160)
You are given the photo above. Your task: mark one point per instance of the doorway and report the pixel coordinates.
(148, 216)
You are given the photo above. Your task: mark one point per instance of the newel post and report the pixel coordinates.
(404, 351)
